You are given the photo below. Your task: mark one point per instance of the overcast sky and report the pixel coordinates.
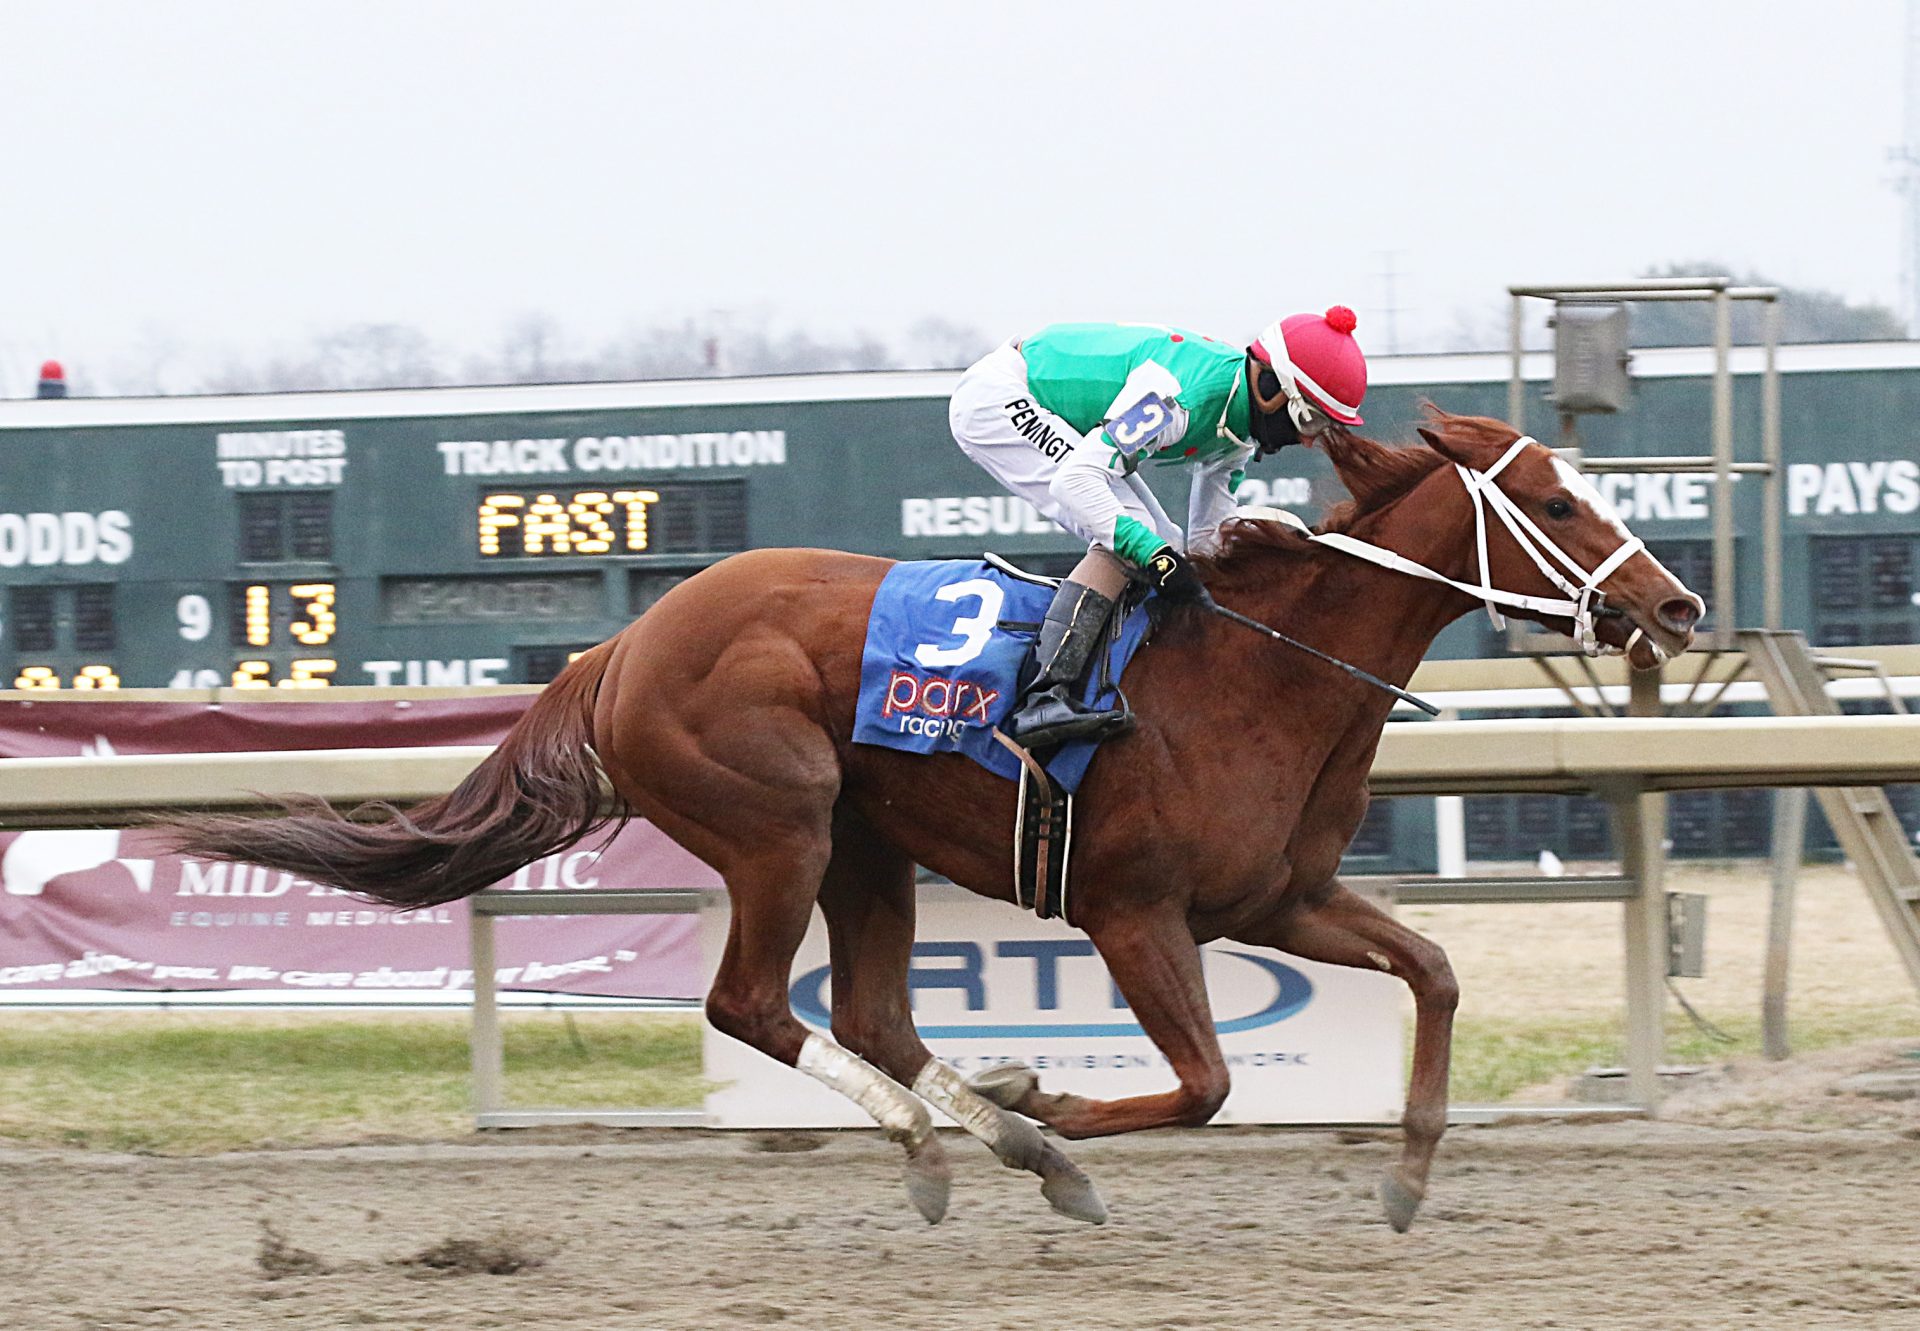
(241, 174)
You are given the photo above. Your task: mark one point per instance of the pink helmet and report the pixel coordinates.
(1315, 357)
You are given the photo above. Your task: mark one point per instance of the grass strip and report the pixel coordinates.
(1497, 1059)
(198, 1083)
(194, 1084)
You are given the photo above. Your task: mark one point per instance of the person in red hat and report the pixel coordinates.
(1067, 418)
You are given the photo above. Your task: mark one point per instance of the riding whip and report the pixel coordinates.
(1353, 670)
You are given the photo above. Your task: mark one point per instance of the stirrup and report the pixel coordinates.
(1052, 718)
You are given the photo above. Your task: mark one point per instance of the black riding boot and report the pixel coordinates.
(1052, 713)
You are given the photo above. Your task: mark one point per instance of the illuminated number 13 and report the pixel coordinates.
(975, 629)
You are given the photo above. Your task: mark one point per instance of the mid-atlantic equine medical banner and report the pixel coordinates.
(107, 909)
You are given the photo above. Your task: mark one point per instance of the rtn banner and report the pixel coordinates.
(1304, 1042)
(107, 909)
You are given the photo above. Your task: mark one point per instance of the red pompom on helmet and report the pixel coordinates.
(1316, 356)
(53, 380)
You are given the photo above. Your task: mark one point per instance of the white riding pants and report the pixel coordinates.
(1022, 445)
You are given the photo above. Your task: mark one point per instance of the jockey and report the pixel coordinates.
(1067, 417)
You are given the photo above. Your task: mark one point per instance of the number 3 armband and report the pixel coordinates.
(1134, 430)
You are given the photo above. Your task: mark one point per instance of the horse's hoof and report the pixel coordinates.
(1400, 1200)
(928, 1180)
(1021, 1145)
(1069, 1191)
(1006, 1084)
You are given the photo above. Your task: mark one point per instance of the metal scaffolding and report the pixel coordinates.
(1721, 292)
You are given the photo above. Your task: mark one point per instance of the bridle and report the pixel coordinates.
(1583, 602)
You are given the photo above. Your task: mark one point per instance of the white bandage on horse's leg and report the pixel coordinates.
(1017, 1142)
(903, 1118)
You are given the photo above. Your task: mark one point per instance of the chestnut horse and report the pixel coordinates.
(724, 716)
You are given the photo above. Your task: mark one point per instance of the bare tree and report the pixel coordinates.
(370, 355)
(376, 355)
(801, 353)
(1485, 328)
(677, 351)
(532, 348)
(935, 343)
(157, 363)
(1807, 314)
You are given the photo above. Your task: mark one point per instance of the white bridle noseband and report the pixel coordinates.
(1582, 600)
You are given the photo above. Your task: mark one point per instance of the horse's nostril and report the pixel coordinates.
(1679, 613)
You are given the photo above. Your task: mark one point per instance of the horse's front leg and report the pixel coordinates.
(1153, 958)
(1347, 930)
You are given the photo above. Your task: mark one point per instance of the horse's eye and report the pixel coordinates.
(1559, 508)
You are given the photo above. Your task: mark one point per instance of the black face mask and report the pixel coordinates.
(1272, 431)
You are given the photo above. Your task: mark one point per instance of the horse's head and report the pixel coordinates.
(1549, 537)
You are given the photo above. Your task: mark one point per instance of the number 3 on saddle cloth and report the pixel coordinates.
(942, 668)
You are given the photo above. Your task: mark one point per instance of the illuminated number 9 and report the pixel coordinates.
(976, 629)
(196, 617)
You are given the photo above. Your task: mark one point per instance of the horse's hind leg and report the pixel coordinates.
(1348, 930)
(1153, 959)
(868, 899)
(711, 729)
(772, 897)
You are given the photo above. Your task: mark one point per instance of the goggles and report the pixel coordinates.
(1308, 419)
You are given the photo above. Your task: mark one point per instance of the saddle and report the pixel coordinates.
(948, 653)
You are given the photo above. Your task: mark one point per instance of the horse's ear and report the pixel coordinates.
(1446, 448)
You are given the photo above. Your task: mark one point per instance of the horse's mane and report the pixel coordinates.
(1375, 473)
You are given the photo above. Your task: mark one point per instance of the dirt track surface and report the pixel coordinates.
(1620, 1224)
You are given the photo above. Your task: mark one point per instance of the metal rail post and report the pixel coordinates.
(1789, 836)
(1725, 619)
(1774, 491)
(1640, 823)
(1450, 825)
(1790, 805)
(489, 1082)
(1516, 384)
(489, 1072)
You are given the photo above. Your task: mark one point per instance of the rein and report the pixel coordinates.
(1582, 603)
(1354, 670)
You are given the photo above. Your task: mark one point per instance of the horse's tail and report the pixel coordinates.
(538, 791)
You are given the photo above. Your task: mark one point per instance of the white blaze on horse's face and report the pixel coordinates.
(1582, 489)
(1663, 610)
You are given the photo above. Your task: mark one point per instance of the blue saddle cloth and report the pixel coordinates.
(941, 668)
